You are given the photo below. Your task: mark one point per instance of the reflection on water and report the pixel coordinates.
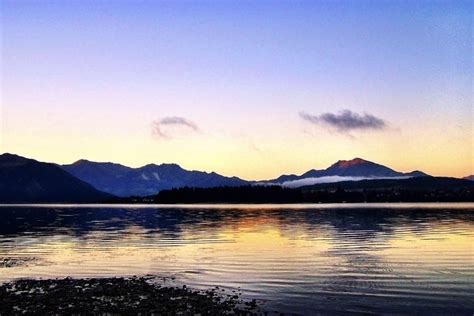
(329, 259)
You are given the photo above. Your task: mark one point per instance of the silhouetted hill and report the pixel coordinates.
(360, 168)
(240, 194)
(147, 180)
(418, 189)
(410, 183)
(470, 178)
(103, 176)
(355, 168)
(26, 180)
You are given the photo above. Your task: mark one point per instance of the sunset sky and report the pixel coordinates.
(252, 89)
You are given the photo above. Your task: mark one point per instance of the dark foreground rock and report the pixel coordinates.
(116, 296)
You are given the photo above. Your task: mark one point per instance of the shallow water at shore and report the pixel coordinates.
(302, 259)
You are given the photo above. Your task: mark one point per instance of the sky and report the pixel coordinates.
(247, 88)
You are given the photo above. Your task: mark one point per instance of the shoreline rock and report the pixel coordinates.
(118, 296)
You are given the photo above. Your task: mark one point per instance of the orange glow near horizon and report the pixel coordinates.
(247, 90)
(235, 157)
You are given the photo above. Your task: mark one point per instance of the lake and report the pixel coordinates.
(297, 259)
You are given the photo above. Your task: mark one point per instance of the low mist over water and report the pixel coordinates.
(298, 259)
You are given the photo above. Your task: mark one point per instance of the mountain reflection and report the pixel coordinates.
(306, 260)
(356, 224)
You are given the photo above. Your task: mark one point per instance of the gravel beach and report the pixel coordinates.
(117, 296)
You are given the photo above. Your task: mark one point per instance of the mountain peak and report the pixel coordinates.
(81, 162)
(8, 156)
(175, 165)
(84, 163)
(12, 159)
(350, 163)
(162, 166)
(471, 177)
(416, 173)
(359, 167)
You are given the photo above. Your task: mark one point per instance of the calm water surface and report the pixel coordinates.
(330, 259)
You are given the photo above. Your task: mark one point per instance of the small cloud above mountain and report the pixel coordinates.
(167, 126)
(345, 121)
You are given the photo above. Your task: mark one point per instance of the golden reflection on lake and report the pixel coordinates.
(301, 260)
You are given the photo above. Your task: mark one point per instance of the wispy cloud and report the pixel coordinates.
(161, 128)
(346, 121)
(331, 179)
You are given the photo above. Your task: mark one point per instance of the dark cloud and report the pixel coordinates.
(160, 127)
(346, 121)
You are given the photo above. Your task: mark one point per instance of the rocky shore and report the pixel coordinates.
(118, 296)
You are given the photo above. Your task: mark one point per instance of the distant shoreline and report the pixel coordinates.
(412, 190)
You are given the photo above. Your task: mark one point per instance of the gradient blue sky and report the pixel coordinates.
(87, 79)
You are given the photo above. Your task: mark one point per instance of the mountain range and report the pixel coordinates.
(344, 170)
(28, 180)
(124, 181)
